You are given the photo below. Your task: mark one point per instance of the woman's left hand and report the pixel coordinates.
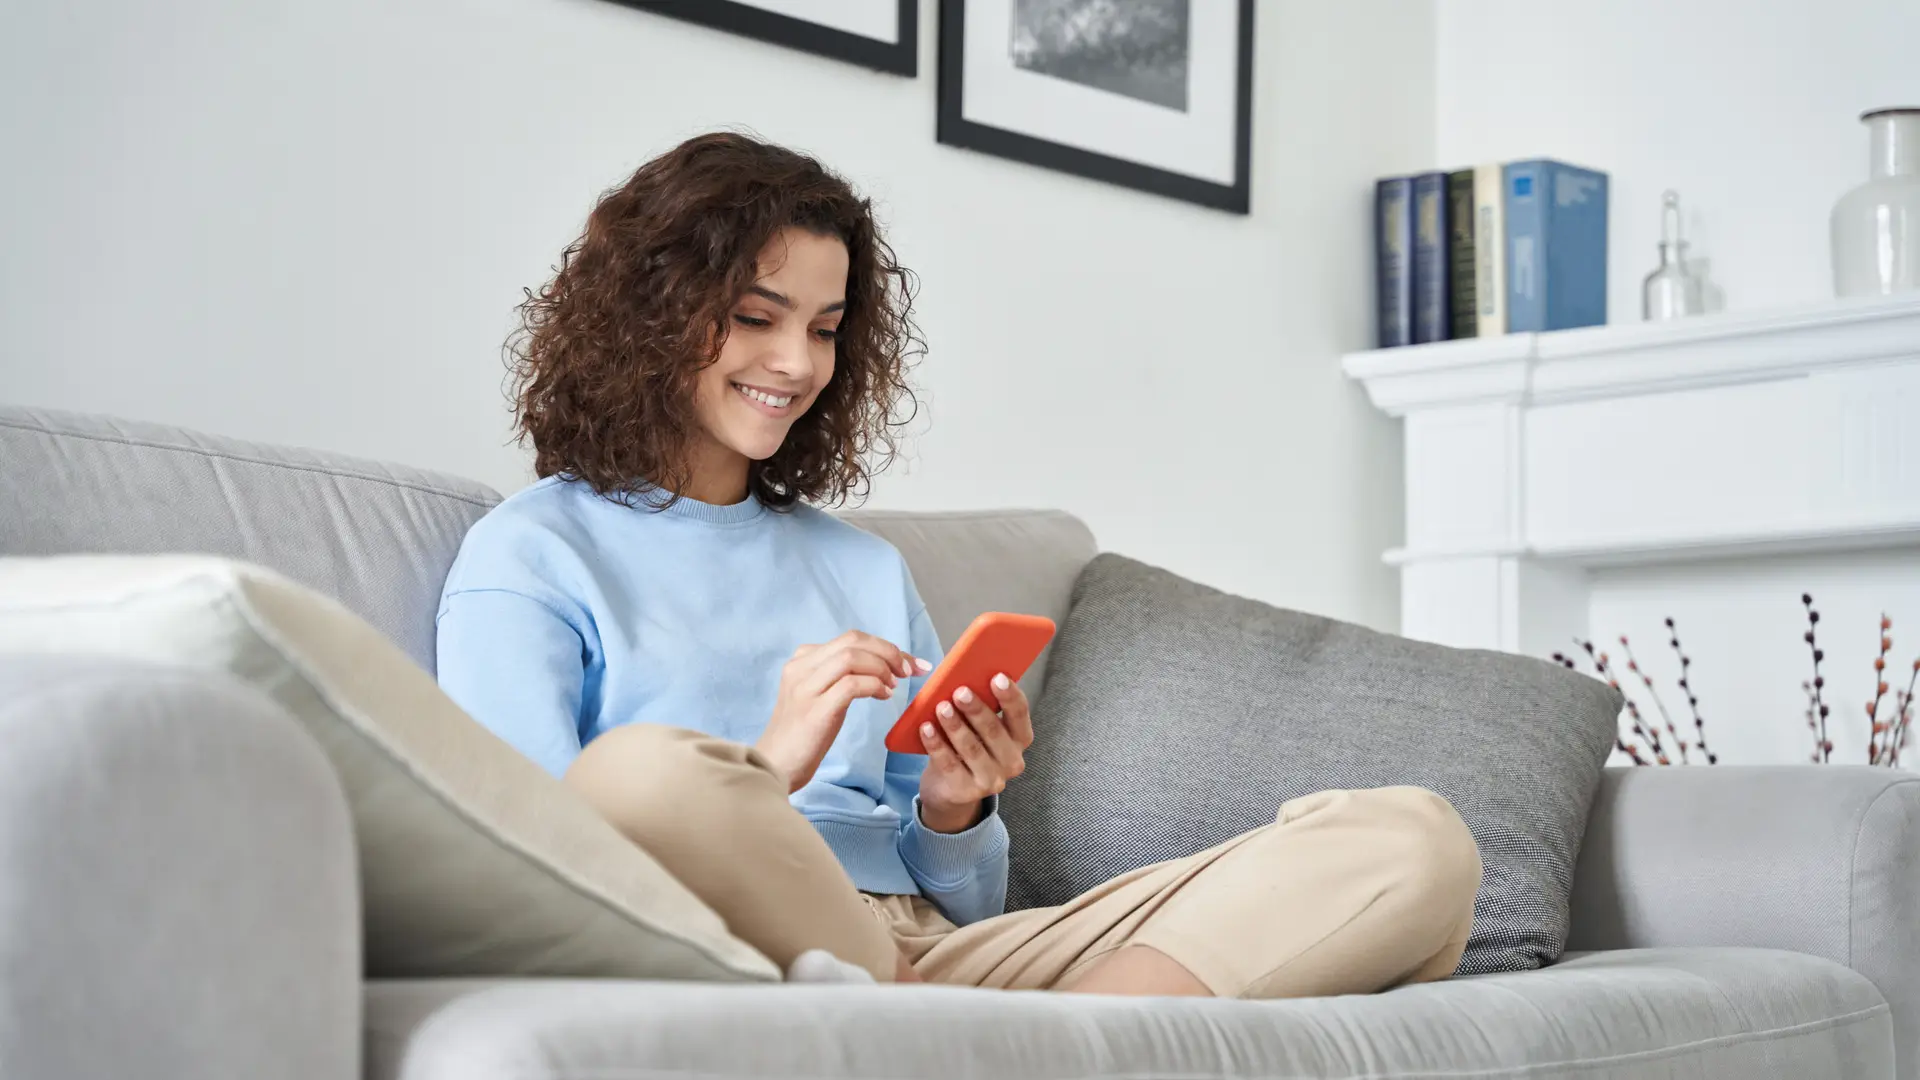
(973, 751)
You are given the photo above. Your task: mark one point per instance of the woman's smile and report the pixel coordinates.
(766, 400)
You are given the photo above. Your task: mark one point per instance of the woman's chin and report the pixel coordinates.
(758, 449)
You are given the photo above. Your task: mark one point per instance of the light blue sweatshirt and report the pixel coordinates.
(567, 615)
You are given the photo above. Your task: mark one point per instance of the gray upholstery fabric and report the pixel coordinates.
(1824, 861)
(177, 893)
(177, 889)
(1670, 1013)
(1003, 560)
(1176, 717)
(376, 537)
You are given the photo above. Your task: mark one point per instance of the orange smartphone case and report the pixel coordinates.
(996, 642)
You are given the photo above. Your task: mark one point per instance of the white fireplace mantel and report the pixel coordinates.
(1532, 460)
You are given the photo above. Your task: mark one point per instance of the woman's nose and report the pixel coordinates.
(788, 355)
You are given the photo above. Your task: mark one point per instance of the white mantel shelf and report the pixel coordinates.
(1707, 350)
(1533, 459)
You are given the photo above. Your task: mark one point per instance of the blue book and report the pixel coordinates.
(1393, 261)
(1556, 245)
(1432, 300)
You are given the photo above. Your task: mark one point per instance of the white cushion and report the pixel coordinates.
(473, 860)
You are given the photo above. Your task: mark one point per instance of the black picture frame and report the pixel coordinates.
(955, 130)
(900, 58)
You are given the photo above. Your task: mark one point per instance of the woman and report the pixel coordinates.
(665, 621)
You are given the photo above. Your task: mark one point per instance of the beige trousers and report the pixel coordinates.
(1346, 892)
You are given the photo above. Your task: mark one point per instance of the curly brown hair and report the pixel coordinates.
(608, 353)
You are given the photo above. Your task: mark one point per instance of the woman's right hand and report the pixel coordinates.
(816, 687)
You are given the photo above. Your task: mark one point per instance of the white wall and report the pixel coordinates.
(1747, 107)
(308, 222)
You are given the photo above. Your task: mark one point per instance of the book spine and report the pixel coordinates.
(1526, 222)
(1432, 307)
(1576, 222)
(1460, 255)
(1393, 261)
(1489, 252)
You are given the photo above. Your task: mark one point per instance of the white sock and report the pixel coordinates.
(821, 966)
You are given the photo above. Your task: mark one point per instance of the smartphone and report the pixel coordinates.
(996, 643)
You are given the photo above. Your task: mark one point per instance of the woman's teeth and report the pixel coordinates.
(764, 399)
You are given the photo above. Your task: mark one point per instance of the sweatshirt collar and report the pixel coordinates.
(739, 513)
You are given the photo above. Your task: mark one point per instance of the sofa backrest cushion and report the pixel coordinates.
(379, 537)
(968, 562)
(376, 537)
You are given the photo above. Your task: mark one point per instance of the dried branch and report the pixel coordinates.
(1823, 747)
(1693, 702)
(1903, 716)
(1621, 744)
(1878, 747)
(1887, 738)
(1633, 665)
(1647, 732)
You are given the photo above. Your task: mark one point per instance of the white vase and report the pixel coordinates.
(1876, 226)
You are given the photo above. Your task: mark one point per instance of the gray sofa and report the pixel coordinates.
(178, 894)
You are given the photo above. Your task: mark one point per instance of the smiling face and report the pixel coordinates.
(777, 357)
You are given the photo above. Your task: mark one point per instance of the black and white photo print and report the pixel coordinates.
(1150, 94)
(1133, 47)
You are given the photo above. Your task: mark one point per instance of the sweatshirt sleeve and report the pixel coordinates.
(964, 874)
(515, 666)
(513, 647)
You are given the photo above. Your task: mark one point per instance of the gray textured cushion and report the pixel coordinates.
(378, 538)
(1732, 1013)
(968, 562)
(1176, 716)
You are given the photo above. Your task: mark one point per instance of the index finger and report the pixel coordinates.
(897, 659)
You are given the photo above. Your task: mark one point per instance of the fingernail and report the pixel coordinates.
(963, 695)
(945, 710)
(1000, 682)
(926, 732)
(923, 665)
(886, 693)
(906, 667)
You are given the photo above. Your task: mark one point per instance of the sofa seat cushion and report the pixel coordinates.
(1641, 1013)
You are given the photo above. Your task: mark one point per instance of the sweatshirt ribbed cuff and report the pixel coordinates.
(949, 860)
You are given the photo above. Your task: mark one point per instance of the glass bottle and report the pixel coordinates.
(1876, 226)
(1673, 289)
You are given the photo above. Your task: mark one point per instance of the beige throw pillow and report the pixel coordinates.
(473, 861)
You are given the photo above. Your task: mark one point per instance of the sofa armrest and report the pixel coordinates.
(178, 893)
(1819, 859)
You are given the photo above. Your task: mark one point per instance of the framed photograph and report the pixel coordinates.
(1149, 94)
(880, 34)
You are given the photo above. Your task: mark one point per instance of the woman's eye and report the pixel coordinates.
(748, 320)
(827, 335)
